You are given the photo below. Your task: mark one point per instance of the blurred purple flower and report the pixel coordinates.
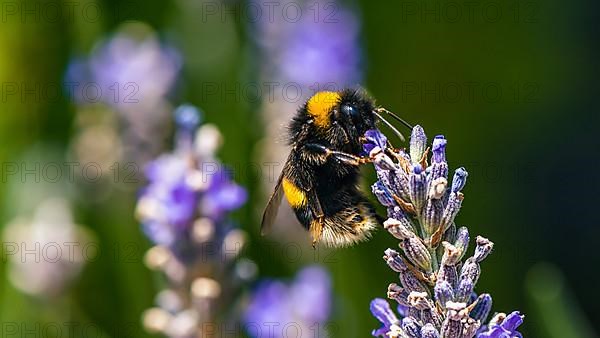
(183, 211)
(132, 69)
(147, 63)
(325, 50)
(306, 302)
(132, 72)
(222, 196)
(322, 47)
(179, 191)
(172, 198)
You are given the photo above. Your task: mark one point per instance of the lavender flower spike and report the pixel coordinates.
(437, 288)
(183, 211)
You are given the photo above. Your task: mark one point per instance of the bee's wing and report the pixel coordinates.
(272, 207)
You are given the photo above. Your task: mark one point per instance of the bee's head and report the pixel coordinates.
(342, 116)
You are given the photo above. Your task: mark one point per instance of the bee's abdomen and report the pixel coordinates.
(349, 218)
(349, 226)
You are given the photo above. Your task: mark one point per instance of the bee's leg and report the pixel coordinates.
(316, 226)
(340, 155)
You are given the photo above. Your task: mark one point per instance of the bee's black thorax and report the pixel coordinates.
(348, 119)
(339, 127)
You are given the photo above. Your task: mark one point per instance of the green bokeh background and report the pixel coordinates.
(526, 133)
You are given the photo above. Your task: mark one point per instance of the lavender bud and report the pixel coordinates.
(455, 310)
(383, 195)
(411, 283)
(439, 167)
(448, 273)
(394, 260)
(398, 183)
(417, 190)
(397, 293)
(451, 327)
(452, 255)
(484, 247)
(395, 227)
(482, 309)
(398, 214)
(418, 143)
(469, 328)
(411, 327)
(432, 215)
(381, 160)
(437, 188)
(462, 241)
(431, 316)
(452, 208)
(412, 312)
(420, 301)
(470, 270)
(443, 292)
(429, 331)
(459, 180)
(416, 252)
(464, 290)
(439, 149)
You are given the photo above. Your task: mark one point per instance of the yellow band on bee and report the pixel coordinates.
(320, 105)
(295, 196)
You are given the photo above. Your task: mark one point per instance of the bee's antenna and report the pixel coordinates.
(396, 117)
(389, 125)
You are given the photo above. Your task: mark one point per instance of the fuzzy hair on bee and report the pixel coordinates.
(321, 175)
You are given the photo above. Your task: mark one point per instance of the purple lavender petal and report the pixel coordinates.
(459, 180)
(512, 321)
(506, 329)
(167, 186)
(380, 308)
(374, 138)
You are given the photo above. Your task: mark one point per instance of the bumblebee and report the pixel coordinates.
(320, 176)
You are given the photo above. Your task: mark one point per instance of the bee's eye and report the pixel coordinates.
(349, 111)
